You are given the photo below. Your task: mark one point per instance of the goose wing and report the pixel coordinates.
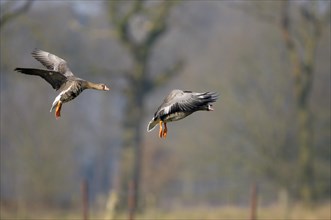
(54, 78)
(52, 62)
(185, 101)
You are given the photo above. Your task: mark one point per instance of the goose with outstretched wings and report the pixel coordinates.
(60, 77)
(179, 104)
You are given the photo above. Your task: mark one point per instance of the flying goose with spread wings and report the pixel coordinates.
(60, 77)
(179, 104)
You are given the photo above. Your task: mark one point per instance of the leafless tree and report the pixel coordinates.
(140, 81)
(301, 25)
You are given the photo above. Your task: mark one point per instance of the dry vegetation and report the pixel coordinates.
(251, 137)
(234, 212)
(272, 212)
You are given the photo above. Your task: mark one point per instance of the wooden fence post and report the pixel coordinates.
(131, 200)
(84, 189)
(253, 202)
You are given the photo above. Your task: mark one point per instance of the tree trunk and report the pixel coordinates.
(134, 123)
(139, 83)
(302, 73)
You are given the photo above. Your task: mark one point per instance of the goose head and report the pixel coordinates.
(97, 86)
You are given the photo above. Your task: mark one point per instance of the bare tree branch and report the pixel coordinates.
(121, 24)
(7, 16)
(159, 24)
(168, 74)
(257, 10)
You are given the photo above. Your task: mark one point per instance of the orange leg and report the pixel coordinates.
(160, 131)
(165, 130)
(58, 110)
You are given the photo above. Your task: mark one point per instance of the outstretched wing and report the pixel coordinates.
(185, 101)
(54, 78)
(52, 62)
(188, 101)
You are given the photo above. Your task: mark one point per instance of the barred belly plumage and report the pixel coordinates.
(72, 92)
(175, 116)
(70, 95)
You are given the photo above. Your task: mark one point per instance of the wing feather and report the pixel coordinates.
(54, 78)
(185, 101)
(52, 62)
(190, 101)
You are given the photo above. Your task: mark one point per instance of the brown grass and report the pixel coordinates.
(273, 212)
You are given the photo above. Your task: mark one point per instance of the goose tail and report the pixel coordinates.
(56, 100)
(53, 106)
(208, 96)
(152, 124)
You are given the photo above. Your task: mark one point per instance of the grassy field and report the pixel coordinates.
(274, 212)
(231, 212)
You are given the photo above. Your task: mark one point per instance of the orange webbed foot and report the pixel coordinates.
(58, 110)
(165, 131)
(160, 131)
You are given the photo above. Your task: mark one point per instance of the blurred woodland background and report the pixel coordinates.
(269, 60)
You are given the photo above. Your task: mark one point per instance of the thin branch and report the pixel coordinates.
(285, 25)
(256, 11)
(6, 17)
(121, 24)
(166, 75)
(159, 25)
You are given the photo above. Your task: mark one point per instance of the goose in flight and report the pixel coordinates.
(179, 104)
(61, 78)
